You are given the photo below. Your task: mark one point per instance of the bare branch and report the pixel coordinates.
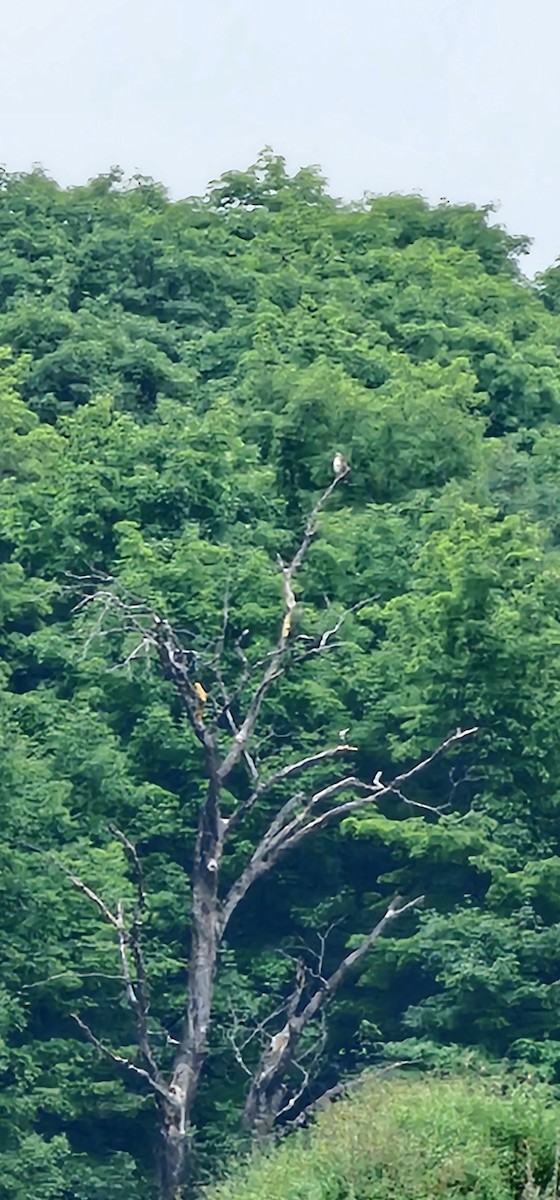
(283, 834)
(311, 524)
(282, 1112)
(352, 959)
(221, 640)
(139, 990)
(319, 1104)
(267, 1093)
(260, 1027)
(314, 1054)
(232, 1037)
(119, 1060)
(174, 662)
(324, 641)
(337, 1091)
(285, 773)
(91, 895)
(128, 615)
(70, 971)
(227, 713)
(287, 830)
(133, 856)
(275, 664)
(320, 954)
(136, 991)
(144, 648)
(452, 740)
(131, 994)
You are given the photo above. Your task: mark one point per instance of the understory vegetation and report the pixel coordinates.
(417, 1138)
(175, 379)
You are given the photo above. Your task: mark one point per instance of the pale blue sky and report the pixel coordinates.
(454, 98)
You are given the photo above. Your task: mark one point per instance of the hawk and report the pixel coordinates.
(339, 464)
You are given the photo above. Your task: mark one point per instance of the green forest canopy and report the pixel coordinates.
(174, 378)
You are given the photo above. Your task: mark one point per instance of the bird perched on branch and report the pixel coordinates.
(339, 464)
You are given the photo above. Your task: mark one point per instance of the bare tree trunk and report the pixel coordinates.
(176, 1129)
(174, 1160)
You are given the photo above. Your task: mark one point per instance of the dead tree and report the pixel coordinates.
(303, 813)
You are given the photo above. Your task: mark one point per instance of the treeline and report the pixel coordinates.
(175, 377)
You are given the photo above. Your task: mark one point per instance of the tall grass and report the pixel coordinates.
(414, 1139)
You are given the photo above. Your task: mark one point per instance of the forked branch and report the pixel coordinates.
(266, 1099)
(299, 817)
(128, 941)
(120, 1061)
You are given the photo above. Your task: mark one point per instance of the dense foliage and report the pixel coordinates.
(174, 378)
(415, 1138)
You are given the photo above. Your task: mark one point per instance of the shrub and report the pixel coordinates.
(414, 1139)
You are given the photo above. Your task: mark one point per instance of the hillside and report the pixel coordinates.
(174, 380)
